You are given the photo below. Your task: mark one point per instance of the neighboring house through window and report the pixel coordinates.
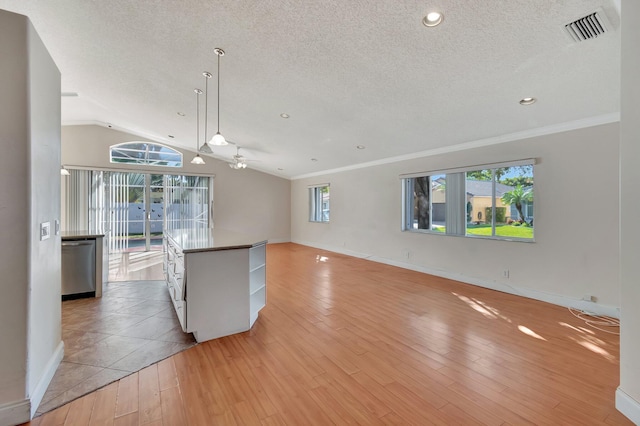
(495, 201)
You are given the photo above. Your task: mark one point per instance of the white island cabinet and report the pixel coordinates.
(216, 279)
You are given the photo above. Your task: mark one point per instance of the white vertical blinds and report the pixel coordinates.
(456, 203)
(102, 201)
(76, 193)
(118, 197)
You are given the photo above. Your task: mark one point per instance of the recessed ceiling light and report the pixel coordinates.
(181, 114)
(432, 19)
(527, 101)
(171, 136)
(284, 115)
(314, 159)
(360, 147)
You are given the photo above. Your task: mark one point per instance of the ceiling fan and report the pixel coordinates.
(239, 161)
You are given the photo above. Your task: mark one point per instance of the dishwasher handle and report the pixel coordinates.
(76, 243)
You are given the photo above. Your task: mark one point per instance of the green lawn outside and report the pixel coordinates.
(501, 231)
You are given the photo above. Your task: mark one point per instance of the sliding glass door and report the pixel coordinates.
(136, 208)
(187, 202)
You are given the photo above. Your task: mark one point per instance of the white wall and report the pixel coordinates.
(44, 332)
(14, 202)
(576, 220)
(628, 395)
(30, 269)
(244, 200)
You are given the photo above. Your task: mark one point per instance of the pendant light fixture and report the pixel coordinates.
(218, 139)
(197, 159)
(205, 148)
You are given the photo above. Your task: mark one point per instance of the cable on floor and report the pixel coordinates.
(596, 321)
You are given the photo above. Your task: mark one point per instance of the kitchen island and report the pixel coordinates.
(216, 279)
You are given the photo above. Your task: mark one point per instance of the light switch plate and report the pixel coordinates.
(57, 226)
(45, 230)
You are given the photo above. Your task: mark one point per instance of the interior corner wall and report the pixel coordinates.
(576, 220)
(628, 394)
(246, 201)
(29, 268)
(14, 208)
(45, 349)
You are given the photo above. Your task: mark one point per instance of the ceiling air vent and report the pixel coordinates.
(591, 26)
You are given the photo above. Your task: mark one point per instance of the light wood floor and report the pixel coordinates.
(348, 341)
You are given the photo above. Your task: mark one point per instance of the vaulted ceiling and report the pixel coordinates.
(347, 73)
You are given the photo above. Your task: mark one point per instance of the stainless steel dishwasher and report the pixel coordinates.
(78, 269)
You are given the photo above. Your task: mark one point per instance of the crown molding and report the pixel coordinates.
(496, 140)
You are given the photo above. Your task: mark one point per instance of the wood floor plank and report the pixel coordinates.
(244, 413)
(361, 409)
(274, 420)
(173, 412)
(104, 407)
(130, 419)
(225, 418)
(277, 395)
(80, 410)
(56, 417)
(127, 397)
(461, 416)
(349, 341)
(392, 419)
(149, 407)
(331, 407)
(513, 413)
(167, 377)
(218, 403)
(192, 391)
(256, 396)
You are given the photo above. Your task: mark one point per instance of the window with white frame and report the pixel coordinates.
(319, 203)
(145, 153)
(491, 201)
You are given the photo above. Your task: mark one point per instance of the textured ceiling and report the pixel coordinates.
(347, 72)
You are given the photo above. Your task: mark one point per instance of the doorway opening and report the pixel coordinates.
(134, 210)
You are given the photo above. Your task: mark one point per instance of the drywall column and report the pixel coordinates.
(30, 174)
(628, 394)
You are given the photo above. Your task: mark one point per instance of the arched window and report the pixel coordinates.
(145, 153)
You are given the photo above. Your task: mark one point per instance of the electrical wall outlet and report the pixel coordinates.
(505, 273)
(589, 298)
(45, 230)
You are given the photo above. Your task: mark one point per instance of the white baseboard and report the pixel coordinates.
(45, 379)
(555, 299)
(628, 406)
(14, 413)
(278, 240)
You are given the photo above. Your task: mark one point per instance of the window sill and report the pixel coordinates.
(475, 237)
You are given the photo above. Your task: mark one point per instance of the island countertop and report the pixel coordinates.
(74, 235)
(198, 240)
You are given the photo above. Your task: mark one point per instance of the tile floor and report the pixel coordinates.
(132, 326)
(134, 266)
